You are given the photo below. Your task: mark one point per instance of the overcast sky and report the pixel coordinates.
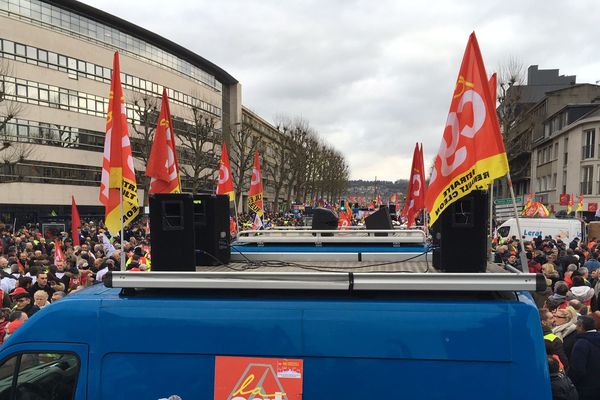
(372, 77)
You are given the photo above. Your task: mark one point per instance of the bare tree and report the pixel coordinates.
(278, 168)
(511, 106)
(244, 141)
(12, 152)
(200, 142)
(143, 123)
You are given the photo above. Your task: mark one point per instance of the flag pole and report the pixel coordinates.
(122, 235)
(522, 255)
(491, 233)
(235, 210)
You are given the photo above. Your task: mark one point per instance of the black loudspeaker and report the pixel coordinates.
(324, 218)
(460, 235)
(380, 219)
(392, 208)
(172, 239)
(211, 229)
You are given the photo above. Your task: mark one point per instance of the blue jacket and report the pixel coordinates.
(584, 364)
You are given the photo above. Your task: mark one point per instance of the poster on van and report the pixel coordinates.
(244, 378)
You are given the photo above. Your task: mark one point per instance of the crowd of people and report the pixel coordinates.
(569, 310)
(34, 274)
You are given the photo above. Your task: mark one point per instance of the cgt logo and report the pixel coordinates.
(244, 378)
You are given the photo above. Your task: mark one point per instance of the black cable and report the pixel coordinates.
(327, 268)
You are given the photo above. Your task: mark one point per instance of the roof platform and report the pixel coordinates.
(331, 276)
(351, 245)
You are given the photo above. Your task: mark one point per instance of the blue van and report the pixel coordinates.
(335, 336)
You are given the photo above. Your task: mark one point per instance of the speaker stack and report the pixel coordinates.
(460, 235)
(189, 231)
(211, 229)
(172, 238)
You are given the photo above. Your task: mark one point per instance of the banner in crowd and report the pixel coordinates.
(225, 182)
(163, 167)
(255, 195)
(415, 198)
(472, 152)
(117, 164)
(75, 222)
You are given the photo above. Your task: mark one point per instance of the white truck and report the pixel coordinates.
(565, 229)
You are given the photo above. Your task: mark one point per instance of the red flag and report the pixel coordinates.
(232, 227)
(58, 253)
(416, 188)
(163, 166)
(493, 84)
(472, 152)
(571, 203)
(117, 164)
(21, 267)
(255, 195)
(75, 222)
(225, 182)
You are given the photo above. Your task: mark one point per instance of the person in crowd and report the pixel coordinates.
(559, 298)
(565, 324)
(534, 266)
(580, 291)
(9, 281)
(550, 272)
(513, 261)
(592, 264)
(572, 270)
(4, 314)
(585, 360)
(554, 346)
(58, 296)
(578, 306)
(41, 284)
(567, 258)
(24, 303)
(107, 265)
(562, 387)
(40, 298)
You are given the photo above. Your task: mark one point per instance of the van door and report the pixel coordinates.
(44, 371)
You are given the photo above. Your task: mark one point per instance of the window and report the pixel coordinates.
(587, 176)
(589, 138)
(566, 154)
(40, 375)
(556, 151)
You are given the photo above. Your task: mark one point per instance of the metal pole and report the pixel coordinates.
(122, 235)
(235, 210)
(523, 257)
(491, 235)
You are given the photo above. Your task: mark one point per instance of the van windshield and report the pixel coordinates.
(503, 231)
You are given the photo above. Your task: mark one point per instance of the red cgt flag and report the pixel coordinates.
(472, 152)
(225, 182)
(416, 188)
(75, 222)
(117, 164)
(255, 195)
(163, 166)
(58, 253)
